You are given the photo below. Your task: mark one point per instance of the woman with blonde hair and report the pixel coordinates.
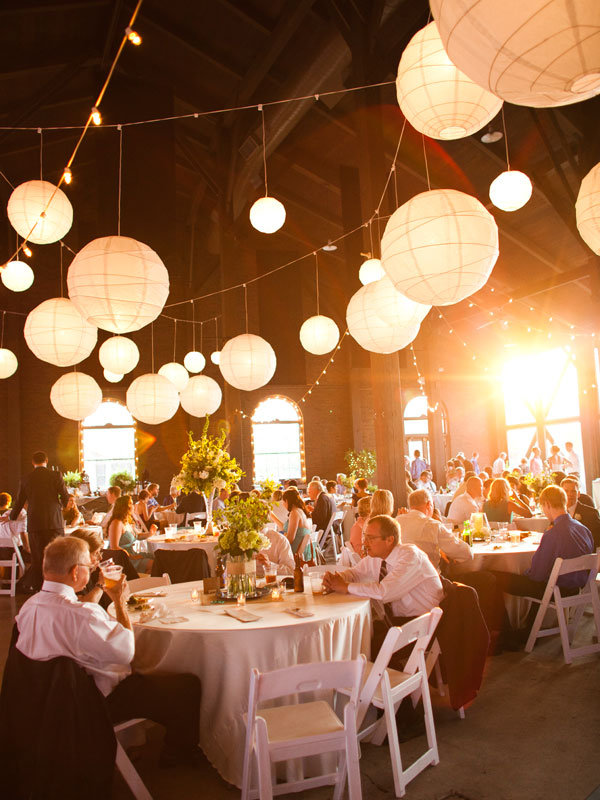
(382, 502)
(356, 541)
(501, 504)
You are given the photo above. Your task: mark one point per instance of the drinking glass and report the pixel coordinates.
(515, 537)
(316, 582)
(271, 574)
(112, 575)
(197, 526)
(503, 531)
(171, 530)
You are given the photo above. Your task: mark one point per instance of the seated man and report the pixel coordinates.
(579, 510)
(467, 503)
(324, 505)
(221, 499)
(112, 495)
(280, 553)
(190, 503)
(426, 481)
(54, 623)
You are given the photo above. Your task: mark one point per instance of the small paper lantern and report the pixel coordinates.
(201, 396)
(194, 361)
(437, 98)
(119, 355)
(510, 190)
(319, 335)
(112, 377)
(56, 332)
(75, 395)
(247, 362)
(152, 399)
(176, 373)
(27, 209)
(17, 276)
(440, 247)
(118, 283)
(370, 271)
(534, 53)
(8, 363)
(587, 209)
(267, 215)
(215, 357)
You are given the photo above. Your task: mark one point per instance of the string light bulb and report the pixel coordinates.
(67, 175)
(96, 116)
(133, 36)
(27, 251)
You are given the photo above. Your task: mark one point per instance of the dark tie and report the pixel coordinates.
(387, 607)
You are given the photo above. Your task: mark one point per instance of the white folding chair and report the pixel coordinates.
(588, 594)
(348, 557)
(126, 768)
(288, 732)
(385, 688)
(329, 533)
(139, 584)
(15, 563)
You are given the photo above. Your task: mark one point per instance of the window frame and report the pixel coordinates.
(299, 422)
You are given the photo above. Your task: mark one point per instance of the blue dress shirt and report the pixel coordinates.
(416, 468)
(566, 538)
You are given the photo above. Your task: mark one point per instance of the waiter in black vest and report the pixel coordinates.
(46, 495)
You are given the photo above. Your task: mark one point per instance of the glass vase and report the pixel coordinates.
(241, 575)
(208, 504)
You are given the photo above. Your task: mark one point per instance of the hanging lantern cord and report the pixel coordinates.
(2, 334)
(174, 340)
(152, 345)
(505, 139)
(246, 305)
(201, 334)
(120, 129)
(426, 164)
(193, 325)
(264, 144)
(62, 291)
(317, 279)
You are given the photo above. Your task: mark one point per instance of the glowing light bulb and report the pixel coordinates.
(96, 117)
(510, 190)
(133, 36)
(67, 175)
(27, 251)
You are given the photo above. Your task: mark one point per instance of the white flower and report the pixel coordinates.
(203, 475)
(220, 484)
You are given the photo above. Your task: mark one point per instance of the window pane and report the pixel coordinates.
(519, 443)
(416, 426)
(276, 438)
(109, 412)
(283, 465)
(275, 408)
(417, 407)
(102, 443)
(566, 400)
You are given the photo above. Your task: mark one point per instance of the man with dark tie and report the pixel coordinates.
(46, 495)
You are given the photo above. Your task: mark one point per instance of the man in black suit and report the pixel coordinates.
(324, 505)
(583, 513)
(46, 495)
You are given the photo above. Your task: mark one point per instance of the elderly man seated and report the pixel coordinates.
(55, 623)
(467, 502)
(279, 553)
(426, 481)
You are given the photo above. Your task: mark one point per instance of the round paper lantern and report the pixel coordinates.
(176, 373)
(152, 399)
(370, 270)
(118, 283)
(215, 357)
(535, 53)
(319, 335)
(194, 361)
(17, 276)
(440, 247)
(267, 215)
(27, 209)
(56, 332)
(112, 377)
(510, 190)
(75, 395)
(437, 98)
(8, 363)
(119, 355)
(247, 362)
(587, 209)
(201, 396)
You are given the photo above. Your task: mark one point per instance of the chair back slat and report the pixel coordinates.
(301, 678)
(579, 564)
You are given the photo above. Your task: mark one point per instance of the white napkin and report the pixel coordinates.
(161, 613)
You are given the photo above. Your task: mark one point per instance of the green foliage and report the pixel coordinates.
(267, 487)
(124, 481)
(538, 482)
(72, 479)
(241, 522)
(361, 463)
(206, 465)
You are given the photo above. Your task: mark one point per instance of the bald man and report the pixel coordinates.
(467, 503)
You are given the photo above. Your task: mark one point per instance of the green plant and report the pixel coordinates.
(537, 482)
(124, 481)
(206, 465)
(267, 487)
(361, 463)
(241, 522)
(72, 479)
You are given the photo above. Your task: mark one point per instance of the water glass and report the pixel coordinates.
(503, 531)
(197, 526)
(515, 537)
(171, 530)
(316, 582)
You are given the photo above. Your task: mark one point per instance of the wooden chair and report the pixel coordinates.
(124, 765)
(15, 562)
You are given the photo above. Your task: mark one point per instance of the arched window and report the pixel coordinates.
(108, 443)
(416, 426)
(278, 439)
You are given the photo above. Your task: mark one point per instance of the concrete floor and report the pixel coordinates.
(532, 734)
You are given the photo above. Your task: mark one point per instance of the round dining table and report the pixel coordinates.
(185, 540)
(222, 651)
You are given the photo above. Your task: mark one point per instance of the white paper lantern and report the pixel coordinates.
(533, 53)
(247, 362)
(587, 209)
(267, 215)
(119, 355)
(201, 396)
(194, 361)
(510, 190)
(75, 395)
(8, 363)
(112, 377)
(56, 332)
(215, 357)
(370, 271)
(319, 335)
(176, 373)
(152, 399)
(440, 247)
(17, 276)
(27, 204)
(118, 283)
(437, 98)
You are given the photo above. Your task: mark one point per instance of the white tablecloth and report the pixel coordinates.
(187, 542)
(96, 528)
(11, 528)
(503, 556)
(539, 524)
(170, 517)
(221, 651)
(440, 501)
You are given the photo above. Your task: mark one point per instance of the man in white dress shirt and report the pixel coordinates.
(54, 622)
(467, 503)
(280, 553)
(112, 494)
(573, 459)
(499, 466)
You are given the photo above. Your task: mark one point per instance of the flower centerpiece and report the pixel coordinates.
(241, 522)
(537, 483)
(206, 467)
(72, 479)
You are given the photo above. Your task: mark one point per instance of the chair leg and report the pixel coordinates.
(130, 775)
(429, 723)
(247, 770)
(535, 628)
(265, 787)
(394, 745)
(352, 753)
(564, 633)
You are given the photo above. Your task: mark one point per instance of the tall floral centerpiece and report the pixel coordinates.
(241, 522)
(206, 468)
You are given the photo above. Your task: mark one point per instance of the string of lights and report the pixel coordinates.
(421, 381)
(323, 372)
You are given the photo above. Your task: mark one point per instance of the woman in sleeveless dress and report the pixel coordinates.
(122, 537)
(297, 527)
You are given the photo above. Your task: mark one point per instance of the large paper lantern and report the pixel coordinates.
(201, 396)
(119, 355)
(267, 215)
(587, 209)
(118, 283)
(8, 363)
(440, 247)
(176, 373)
(533, 53)
(17, 276)
(510, 190)
(437, 98)
(28, 209)
(112, 377)
(247, 362)
(152, 399)
(75, 395)
(56, 332)
(319, 335)
(370, 270)
(194, 361)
